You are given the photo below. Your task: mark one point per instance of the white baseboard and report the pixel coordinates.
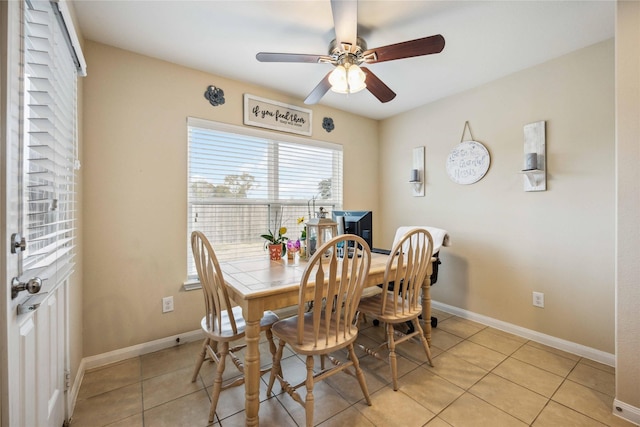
(626, 412)
(72, 393)
(140, 349)
(123, 354)
(568, 346)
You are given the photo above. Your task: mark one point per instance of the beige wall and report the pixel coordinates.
(134, 189)
(628, 202)
(507, 242)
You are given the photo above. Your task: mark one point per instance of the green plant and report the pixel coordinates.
(274, 239)
(278, 237)
(303, 234)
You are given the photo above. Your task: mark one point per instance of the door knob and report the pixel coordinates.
(33, 286)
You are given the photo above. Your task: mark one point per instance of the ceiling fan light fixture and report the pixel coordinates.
(348, 78)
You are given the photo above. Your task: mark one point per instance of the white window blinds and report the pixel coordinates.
(242, 180)
(49, 145)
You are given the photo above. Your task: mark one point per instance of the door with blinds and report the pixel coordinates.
(39, 162)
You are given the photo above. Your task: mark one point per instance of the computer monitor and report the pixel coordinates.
(359, 223)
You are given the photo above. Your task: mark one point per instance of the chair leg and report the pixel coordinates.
(272, 344)
(309, 399)
(276, 369)
(359, 374)
(272, 347)
(423, 340)
(200, 359)
(360, 317)
(391, 343)
(217, 381)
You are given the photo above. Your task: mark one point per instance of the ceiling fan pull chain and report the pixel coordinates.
(466, 126)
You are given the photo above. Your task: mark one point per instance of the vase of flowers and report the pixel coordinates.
(293, 246)
(276, 240)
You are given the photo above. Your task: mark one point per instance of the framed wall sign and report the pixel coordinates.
(275, 115)
(468, 162)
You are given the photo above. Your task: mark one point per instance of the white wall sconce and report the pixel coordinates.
(417, 172)
(535, 174)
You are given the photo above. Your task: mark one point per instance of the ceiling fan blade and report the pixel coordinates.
(345, 21)
(318, 92)
(377, 87)
(408, 49)
(290, 57)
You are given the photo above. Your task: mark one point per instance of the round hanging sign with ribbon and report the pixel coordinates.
(469, 161)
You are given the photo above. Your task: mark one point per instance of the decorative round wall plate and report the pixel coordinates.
(468, 162)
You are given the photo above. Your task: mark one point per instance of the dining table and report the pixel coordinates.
(259, 284)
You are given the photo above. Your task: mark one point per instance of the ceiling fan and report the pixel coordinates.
(348, 51)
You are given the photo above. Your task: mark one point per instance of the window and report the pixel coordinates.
(49, 141)
(242, 180)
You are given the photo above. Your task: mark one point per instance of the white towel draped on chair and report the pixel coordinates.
(440, 237)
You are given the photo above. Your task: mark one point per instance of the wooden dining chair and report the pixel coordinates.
(399, 301)
(332, 281)
(222, 323)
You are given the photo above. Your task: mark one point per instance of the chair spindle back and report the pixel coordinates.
(216, 295)
(412, 258)
(337, 271)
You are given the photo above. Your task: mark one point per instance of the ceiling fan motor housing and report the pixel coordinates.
(346, 53)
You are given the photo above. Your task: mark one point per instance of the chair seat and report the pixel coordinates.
(287, 330)
(372, 306)
(225, 333)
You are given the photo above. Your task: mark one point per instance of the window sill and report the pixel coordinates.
(191, 285)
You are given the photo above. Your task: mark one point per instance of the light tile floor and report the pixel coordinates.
(482, 377)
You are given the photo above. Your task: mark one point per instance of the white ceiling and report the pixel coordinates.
(485, 40)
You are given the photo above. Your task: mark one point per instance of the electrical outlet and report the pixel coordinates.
(538, 299)
(167, 304)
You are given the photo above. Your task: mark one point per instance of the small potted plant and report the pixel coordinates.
(276, 241)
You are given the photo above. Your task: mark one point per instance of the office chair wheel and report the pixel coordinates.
(376, 322)
(434, 322)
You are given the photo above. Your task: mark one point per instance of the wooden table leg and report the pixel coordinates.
(426, 304)
(252, 366)
(426, 310)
